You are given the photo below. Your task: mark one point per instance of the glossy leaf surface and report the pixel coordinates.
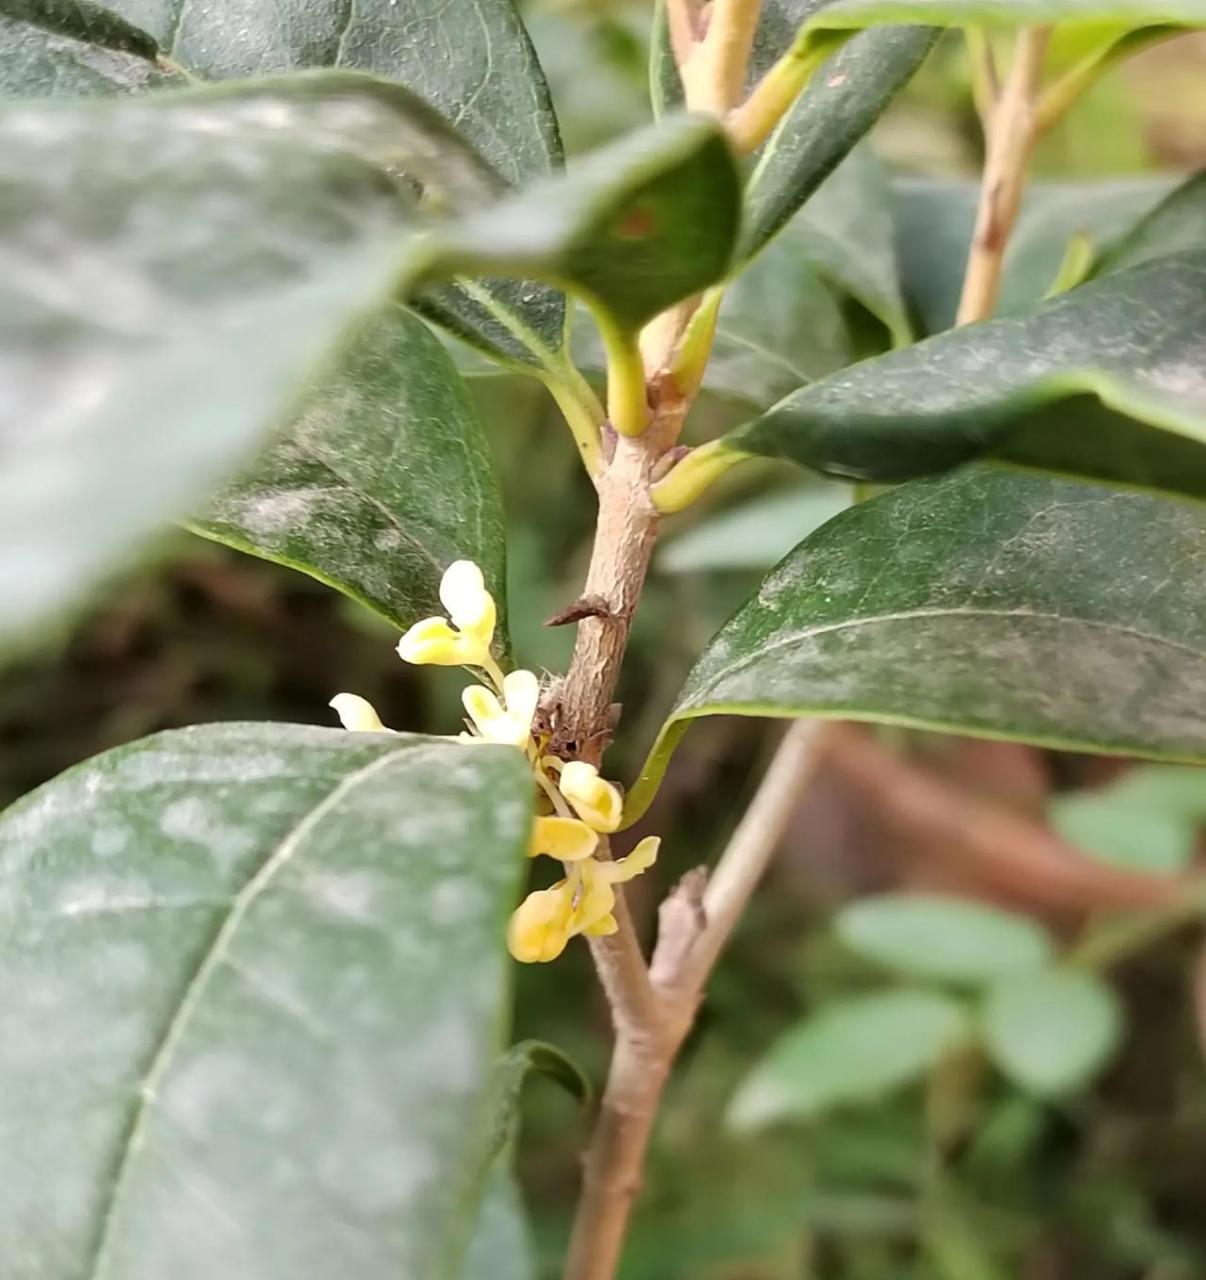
(254, 978)
(379, 482)
(1106, 381)
(988, 602)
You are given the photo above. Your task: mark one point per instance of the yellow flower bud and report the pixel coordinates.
(539, 927)
(564, 838)
(433, 642)
(509, 721)
(357, 714)
(595, 801)
(470, 606)
(593, 898)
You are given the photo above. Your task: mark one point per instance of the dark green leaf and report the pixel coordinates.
(380, 481)
(82, 20)
(1177, 222)
(253, 980)
(511, 1074)
(845, 98)
(635, 227)
(850, 1052)
(1051, 1032)
(987, 602)
(1106, 381)
(934, 220)
(37, 63)
(471, 59)
(950, 939)
(178, 265)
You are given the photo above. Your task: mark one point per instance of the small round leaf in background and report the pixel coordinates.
(944, 938)
(1051, 1032)
(851, 1051)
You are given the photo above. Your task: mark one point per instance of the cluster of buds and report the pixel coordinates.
(575, 807)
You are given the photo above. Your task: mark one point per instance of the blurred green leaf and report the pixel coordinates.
(1148, 819)
(987, 602)
(753, 534)
(852, 1051)
(500, 1247)
(943, 938)
(254, 982)
(1104, 382)
(381, 479)
(1177, 222)
(178, 266)
(470, 59)
(1052, 1032)
(934, 220)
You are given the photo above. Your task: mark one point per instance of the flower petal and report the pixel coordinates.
(539, 926)
(563, 838)
(591, 894)
(640, 859)
(521, 693)
(595, 801)
(357, 714)
(463, 593)
(434, 642)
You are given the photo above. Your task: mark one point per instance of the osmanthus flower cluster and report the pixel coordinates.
(574, 805)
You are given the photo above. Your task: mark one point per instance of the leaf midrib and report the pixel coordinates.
(911, 615)
(194, 993)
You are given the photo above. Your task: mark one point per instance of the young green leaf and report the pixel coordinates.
(253, 980)
(934, 220)
(1105, 381)
(946, 939)
(380, 481)
(850, 1052)
(988, 602)
(1051, 1032)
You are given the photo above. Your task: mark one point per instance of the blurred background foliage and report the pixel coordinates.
(880, 1158)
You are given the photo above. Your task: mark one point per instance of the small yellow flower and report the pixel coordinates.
(566, 839)
(465, 643)
(595, 801)
(357, 714)
(509, 721)
(581, 903)
(539, 927)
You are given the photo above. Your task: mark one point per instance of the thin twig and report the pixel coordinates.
(713, 74)
(1010, 134)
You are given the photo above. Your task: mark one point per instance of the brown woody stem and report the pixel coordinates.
(1011, 130)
